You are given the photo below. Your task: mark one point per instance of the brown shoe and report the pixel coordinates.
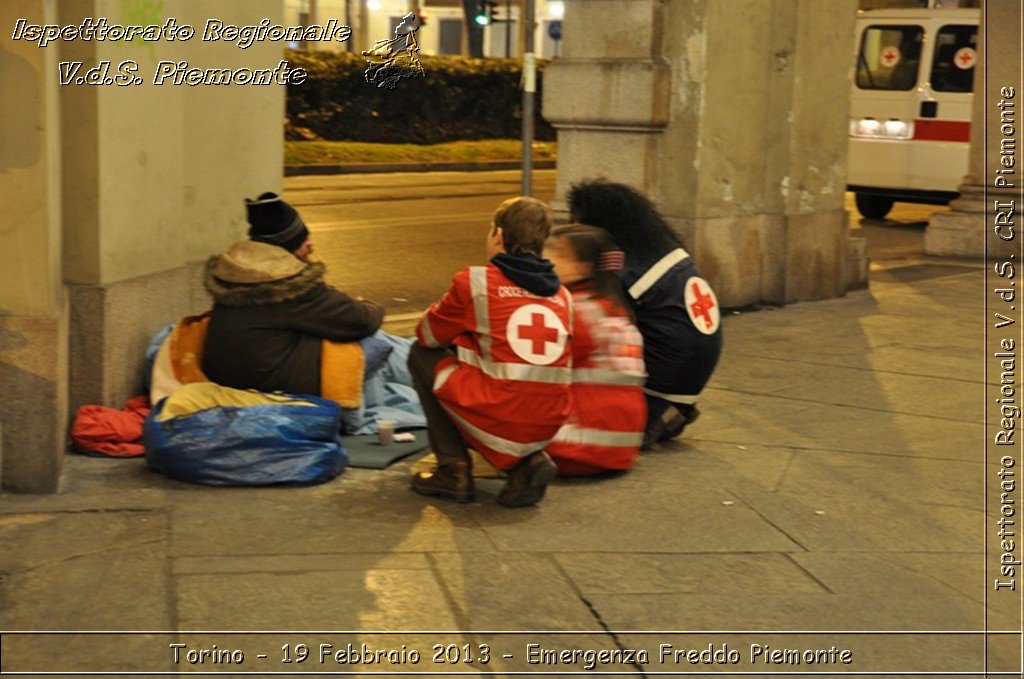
(449, 481)
(528, 481)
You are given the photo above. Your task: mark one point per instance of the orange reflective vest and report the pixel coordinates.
(507, 388)
(606, 426)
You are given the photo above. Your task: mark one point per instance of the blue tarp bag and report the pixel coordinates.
(286, 440)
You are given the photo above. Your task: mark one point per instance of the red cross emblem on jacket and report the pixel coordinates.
(702, 306)
(536, 334)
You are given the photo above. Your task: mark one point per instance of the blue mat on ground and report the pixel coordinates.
(367, 452)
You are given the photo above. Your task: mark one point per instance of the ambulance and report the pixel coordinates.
(910, 109)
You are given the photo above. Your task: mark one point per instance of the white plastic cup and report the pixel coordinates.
(386, 432)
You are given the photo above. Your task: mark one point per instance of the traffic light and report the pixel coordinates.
(484, 12)
(421, 19)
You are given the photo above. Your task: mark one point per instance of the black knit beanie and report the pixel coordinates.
(271, 220)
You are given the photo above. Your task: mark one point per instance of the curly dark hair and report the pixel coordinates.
(627, 215)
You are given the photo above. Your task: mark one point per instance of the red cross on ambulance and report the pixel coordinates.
(536, 334)
(702, 306)
(965, 58)
(890, 56)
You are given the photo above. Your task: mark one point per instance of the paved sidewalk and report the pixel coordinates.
(834, 482)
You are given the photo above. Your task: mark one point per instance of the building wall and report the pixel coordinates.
(115, 196)
(706, 107)
(33, 314)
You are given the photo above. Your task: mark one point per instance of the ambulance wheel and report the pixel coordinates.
(873, 206)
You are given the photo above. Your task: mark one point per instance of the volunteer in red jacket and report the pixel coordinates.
(606, 426)
(492, 363)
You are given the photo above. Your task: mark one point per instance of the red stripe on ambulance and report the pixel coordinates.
(942, 130)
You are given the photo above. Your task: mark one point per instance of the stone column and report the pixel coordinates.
(155, 177)
(33, 317)
(732, 116)
(963, 230)
(113, 198)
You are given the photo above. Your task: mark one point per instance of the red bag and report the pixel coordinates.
(99, 430)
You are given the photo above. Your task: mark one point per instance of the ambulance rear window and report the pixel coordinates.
(955, 56)
(889, 57)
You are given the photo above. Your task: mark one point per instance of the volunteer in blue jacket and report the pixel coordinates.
(676, 309)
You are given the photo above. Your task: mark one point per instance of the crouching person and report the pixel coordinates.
(272, 309)
(676, 310)
(609, 413)
(492, 363)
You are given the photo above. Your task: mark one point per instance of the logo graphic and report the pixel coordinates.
(391, 60)
(536, 334)
(702, 306)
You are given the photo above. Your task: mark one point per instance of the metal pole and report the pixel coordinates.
(529, 88)
(348, 22)
(508, 29)
(364, 26)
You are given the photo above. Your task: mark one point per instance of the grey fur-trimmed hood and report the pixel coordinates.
(267, 292)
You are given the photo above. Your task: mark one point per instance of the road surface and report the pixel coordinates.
(398, 238)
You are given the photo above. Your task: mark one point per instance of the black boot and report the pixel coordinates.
(448, 481)
(679, 421)
(670, 425)
(528, 481)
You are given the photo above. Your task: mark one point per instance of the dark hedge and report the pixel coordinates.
(458, 98)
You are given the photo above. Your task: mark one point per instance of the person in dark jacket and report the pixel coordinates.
(676, 309)
(272, 308)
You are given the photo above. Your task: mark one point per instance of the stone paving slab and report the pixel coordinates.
(71, 654)
(872, 478)
(871, 575)
(819, 523)
(512, 591)
(745, 420)
(120, 588)
(891, 357)
(712, 464)
(33, 540)
(775, 609)
(304, 563)
(93, 483)
(699, 522)
(374, 599)
(907, 394)
(613, 573)
(333, 518)
(876, 390)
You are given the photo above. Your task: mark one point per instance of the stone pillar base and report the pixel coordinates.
(776, 258)
(956, 234)
(33, 380)
(857, 263)
(963, 231)
(111, 326)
